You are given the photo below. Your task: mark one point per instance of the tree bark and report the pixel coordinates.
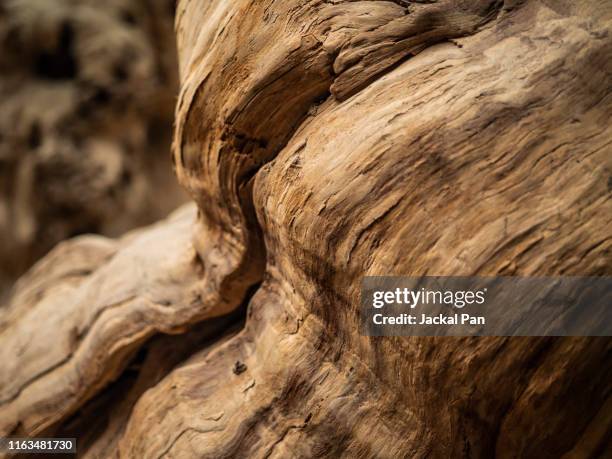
(323, 141)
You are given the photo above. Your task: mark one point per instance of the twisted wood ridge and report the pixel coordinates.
(323, 141)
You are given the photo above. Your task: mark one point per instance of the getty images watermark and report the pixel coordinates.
(486, 306)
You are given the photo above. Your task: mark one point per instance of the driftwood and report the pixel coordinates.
(87, 91)
(323, 141)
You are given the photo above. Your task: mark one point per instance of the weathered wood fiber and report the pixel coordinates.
(323, 141)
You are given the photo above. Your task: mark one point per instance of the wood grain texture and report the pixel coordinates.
(323, 141)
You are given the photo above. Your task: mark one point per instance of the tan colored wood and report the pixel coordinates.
(323, 141)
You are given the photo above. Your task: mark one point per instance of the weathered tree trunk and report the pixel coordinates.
(323, 141)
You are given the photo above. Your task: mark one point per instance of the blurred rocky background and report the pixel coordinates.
(87, 92)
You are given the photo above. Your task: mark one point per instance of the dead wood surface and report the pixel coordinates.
(323, 141)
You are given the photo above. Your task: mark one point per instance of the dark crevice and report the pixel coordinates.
(343, 95)
(35, 136)
(128, 17)
(120, 73)
(59, 63)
